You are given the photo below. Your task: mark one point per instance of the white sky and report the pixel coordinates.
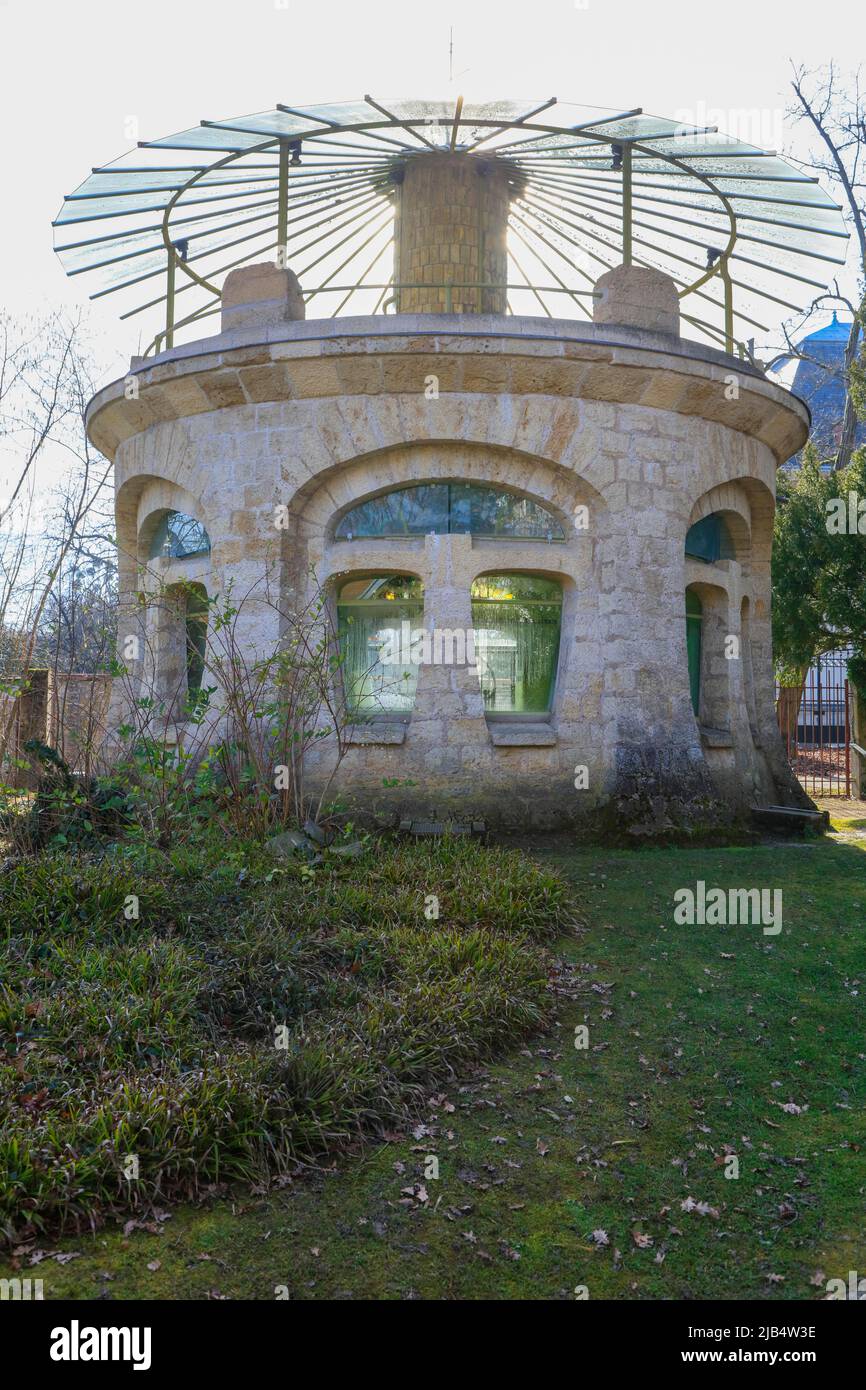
(75, 73)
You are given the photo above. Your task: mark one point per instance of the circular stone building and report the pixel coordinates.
(475, 381)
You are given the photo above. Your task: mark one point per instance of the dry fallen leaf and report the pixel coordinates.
(702, 1208)
(417, 1191)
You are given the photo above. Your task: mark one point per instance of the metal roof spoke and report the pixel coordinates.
(588, 187)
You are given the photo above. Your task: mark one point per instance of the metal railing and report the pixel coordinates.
(388, 302)
(818, 739)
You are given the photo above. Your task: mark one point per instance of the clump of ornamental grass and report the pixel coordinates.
(207, 1016)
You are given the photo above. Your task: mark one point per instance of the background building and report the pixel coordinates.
(816, 375)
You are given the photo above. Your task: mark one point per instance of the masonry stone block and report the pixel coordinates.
(605, 416)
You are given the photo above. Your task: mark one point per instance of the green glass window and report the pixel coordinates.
(178, 536)
(376, 617)
(196, 637)
(464, 508)
(694, 624)
(516, 620)
(710, 540)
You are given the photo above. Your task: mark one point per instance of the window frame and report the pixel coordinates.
(162, 528)
(719, 540)
(196, 614)
(356, 715)
(556, 536)
(695, 648)
(515, 716)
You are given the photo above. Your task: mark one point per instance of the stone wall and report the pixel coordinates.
(639, 427)
(65, 710)
(78, 718)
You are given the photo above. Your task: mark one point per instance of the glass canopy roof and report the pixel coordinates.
(748, 238)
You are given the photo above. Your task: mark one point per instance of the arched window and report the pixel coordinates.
(710, 539)
(694, 632)
(462, 508)
(178, 536)
(516, 620)
(376, 617)
(748, 671)
(196, 637)
(180, 615)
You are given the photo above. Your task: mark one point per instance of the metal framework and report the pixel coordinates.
(818, 739)
(742, 233)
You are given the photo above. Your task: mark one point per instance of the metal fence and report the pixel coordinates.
(818, 744)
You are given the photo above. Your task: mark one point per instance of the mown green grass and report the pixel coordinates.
(847, 823)
(154, 1036)
(698, 1037)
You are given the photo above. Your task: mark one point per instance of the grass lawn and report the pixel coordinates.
(560, 1167)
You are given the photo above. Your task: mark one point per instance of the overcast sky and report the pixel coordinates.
(76, 74)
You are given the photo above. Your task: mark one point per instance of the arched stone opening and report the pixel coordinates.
(709, 668)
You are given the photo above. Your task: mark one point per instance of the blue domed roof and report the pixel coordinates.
(832, 331)
(818, 380)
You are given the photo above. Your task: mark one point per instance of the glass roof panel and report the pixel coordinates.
(565, 115)
(203, 137)
(118, 181)
(273, 123)
(566, 223)
(341, 113)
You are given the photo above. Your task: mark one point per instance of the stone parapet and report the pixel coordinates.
(372, 357)
(259, 297)
(639, 297)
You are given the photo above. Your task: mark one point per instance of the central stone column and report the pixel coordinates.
(452, 217)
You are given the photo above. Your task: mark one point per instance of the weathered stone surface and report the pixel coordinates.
(637, 297)
(289, 842)
(522, 735)
(368, 735)
(616, 427)
(260, 296)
